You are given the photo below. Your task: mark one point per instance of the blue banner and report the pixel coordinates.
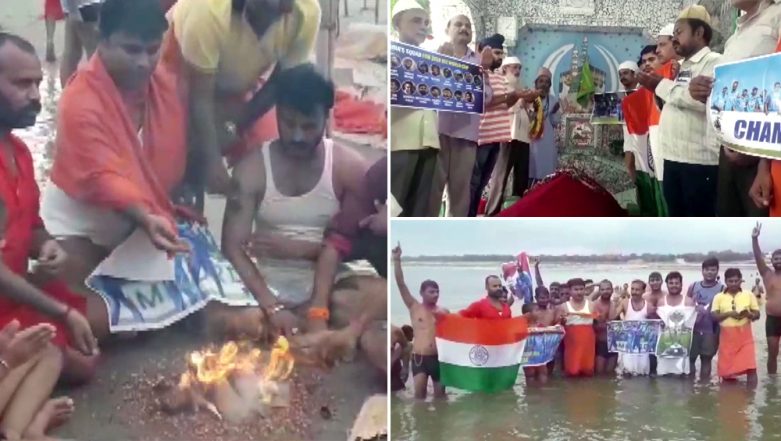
(428, 80)
(633, 336)
(745, 105)
(200, 276)
(541, 345)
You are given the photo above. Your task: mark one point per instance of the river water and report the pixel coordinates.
(586, 409)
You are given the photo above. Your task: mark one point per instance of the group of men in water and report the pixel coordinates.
(142, 129)
(724, 315)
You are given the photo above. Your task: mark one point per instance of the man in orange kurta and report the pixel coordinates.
(120, 147)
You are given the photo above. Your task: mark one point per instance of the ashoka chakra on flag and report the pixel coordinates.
(480, 354)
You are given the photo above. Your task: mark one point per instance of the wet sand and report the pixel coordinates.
(103, 410)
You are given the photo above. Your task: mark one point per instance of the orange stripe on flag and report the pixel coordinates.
(459, 329)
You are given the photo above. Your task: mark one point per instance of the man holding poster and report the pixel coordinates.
(458, 131)
(756, 34)
(414, 142)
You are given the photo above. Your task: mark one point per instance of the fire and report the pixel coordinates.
(209, 367)
(210, 371)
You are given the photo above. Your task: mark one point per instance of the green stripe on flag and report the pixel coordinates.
(477, 379)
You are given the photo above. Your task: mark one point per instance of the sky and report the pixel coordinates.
(557, 236)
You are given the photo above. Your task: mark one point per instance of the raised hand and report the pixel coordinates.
(396, 253)
(757, 230)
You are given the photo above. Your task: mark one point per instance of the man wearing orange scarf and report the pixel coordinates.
(120, 148)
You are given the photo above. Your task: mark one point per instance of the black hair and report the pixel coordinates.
(408, 331)
(776, 252)
(648, 49)
(17, 41)
(673, 275)
(305, 89)
(606, 281)
(732, 272)
(428, 284)
(707, 30)
(576, 282)
(527, 308)
(490, 277)
(640, 282)
(141, 18)
(655, 274)
(710, 262)
(540, 290)
(555, 284)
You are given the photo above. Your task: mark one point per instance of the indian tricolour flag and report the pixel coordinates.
(637, 109)
(480, 354)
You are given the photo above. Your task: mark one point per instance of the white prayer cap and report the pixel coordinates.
(406, 5)
(630, 65)
(511, 61)
(667, 30)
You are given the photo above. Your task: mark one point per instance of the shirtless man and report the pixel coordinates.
(606, 311)
(656, 292)
(542, 314)
(425, 362)
(772, 282)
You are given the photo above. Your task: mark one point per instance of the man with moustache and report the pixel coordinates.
(27, 237)
(422, 314)
(458, 132)
(668, 64)
(745, 181)
(414, 141)
(690, 154)
(496, 120)
(513, 156)
(638, 159)
(674, 302)
(491, 306)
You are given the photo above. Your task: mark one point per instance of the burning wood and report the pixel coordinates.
(235, 382)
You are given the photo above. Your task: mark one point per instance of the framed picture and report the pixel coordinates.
(579, 132)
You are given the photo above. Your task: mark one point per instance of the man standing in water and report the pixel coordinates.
(425, 361)
(772, 282)
(656, 294)
(705, 340)
(491, 306)
(605, 311)
(579, 340)
(675, 302)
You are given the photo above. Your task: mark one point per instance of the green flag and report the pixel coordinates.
(586, 89)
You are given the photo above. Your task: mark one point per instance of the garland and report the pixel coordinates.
(537, 123)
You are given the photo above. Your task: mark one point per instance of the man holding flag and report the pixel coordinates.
(639, 158)
(690, 153)
(478, 351)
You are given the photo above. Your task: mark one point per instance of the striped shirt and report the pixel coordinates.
(685, 134)
(495, 124)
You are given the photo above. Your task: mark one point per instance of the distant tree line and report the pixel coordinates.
(723, 256)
